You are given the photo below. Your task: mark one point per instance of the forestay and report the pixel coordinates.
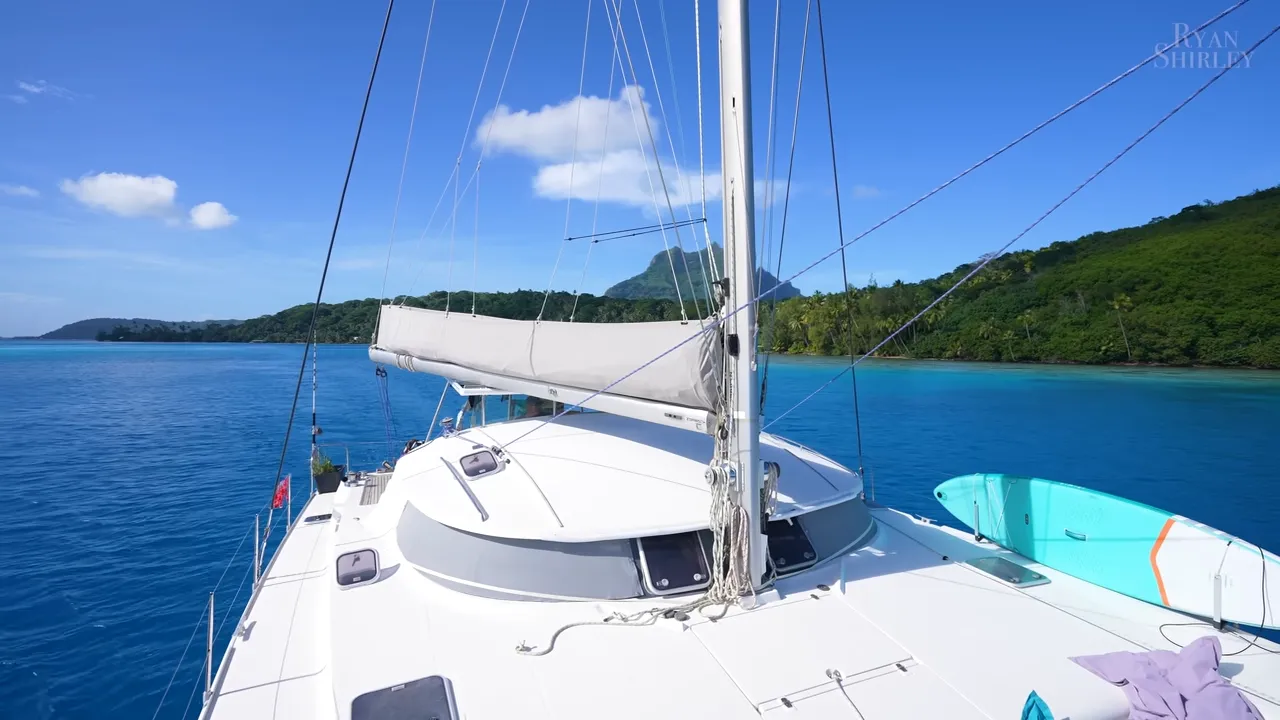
(587, 356)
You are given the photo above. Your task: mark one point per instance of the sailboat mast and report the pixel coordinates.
(739, 257)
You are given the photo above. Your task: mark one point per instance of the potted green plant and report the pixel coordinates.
(327, 475)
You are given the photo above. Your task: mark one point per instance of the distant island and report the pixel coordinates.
(91, 328)
(1200, 287)
(352, 321)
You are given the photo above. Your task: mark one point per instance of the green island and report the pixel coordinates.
(1201, 287)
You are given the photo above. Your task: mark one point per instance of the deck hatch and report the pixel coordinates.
(789, 547)
(1008, 571)
(674, 563)
(422, 699)
(479, 464)
(357, 568)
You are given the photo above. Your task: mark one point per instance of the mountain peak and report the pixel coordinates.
(691, 270)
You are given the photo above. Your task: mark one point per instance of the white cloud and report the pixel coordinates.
(611, 156)
(622, 176)
(125, 195)
(19, 99)
(19, 191)
(865, 192)
(136, 196)
(603, 125)
(596, 141)
(210, 216)
(40, 87)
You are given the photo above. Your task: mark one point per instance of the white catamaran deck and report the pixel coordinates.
(899, 628)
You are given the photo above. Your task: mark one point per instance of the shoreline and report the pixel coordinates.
(1034, 363)
(1027, 363)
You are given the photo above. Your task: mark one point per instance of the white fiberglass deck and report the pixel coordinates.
(565, 479)
(903, 629)
(277, 664)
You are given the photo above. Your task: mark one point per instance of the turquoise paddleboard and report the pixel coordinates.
(1122, 545)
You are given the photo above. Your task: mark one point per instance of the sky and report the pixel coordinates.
(184, 161)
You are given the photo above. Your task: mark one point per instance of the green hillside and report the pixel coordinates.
(1200, 287)
(656, 281)
(352, 321)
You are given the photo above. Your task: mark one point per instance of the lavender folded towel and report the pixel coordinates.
(1184, 685)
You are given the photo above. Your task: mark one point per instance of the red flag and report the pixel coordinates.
(277, 500)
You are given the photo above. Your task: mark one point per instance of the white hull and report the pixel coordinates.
(908, 632)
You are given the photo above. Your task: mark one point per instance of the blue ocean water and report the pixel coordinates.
(136, 470)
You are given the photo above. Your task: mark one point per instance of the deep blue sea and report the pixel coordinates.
(136, 471)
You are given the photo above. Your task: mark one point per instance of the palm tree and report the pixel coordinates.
(1008, 339)
(987, 330)
(1026, 317)
(1122, 304)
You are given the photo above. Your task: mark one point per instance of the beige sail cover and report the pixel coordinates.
(590, 356)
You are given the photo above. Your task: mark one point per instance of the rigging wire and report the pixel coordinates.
(333, 236)
(786, 206)
(194, 687)
(993, 255)
(218, 632)
(196, 628)
(1266, 600)
(444, 390)
(682, 183)
(404, 167)
(657, 161)
(200, 622)
(459, 192)
(604, 147)
(497, 103)
(388, 418)
(454, 176)
(771, 137)
(315, 426)
(635, 231)
(671, 74)
(844, 267)
(573, 159)
(457, 163)
(675, 94)
(702, 172)
(717, 322)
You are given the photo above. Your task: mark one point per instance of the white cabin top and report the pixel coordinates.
(587, 477)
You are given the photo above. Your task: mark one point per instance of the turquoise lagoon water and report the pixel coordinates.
(134, 472)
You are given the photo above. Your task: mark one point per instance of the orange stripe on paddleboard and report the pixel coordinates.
(1155, 569)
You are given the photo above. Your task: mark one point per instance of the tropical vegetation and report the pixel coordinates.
(352, 321)
(1201, 287)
